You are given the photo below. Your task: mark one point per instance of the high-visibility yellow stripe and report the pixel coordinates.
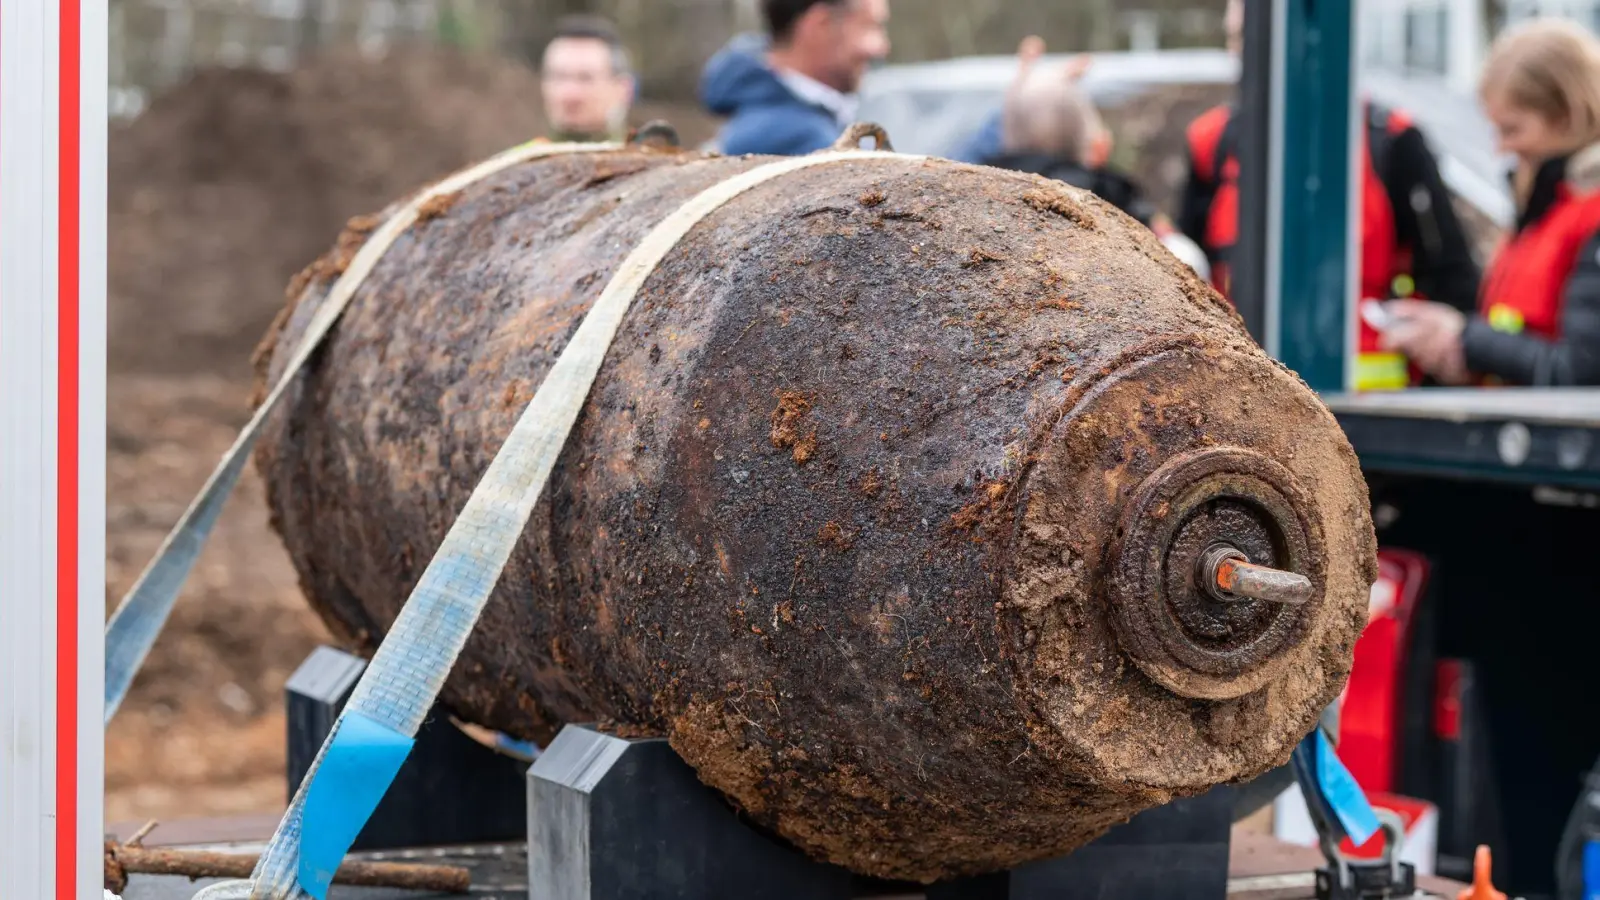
(1382, 372)
(1506, 319)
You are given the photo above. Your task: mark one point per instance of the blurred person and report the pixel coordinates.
(793, 90)
(1538, 319)
(1412, 243)
(1049, 127)
(988, 140)
(1537, 324)
(587, 81)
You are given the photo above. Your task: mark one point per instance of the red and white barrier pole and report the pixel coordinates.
(52, 445)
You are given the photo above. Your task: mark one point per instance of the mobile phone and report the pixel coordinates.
(1377, 315)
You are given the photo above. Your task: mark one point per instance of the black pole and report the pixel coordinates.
(1249, 264)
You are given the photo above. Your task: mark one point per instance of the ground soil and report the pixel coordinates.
(219, 193)
(202, 731)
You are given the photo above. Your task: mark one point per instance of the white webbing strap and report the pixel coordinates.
(143, 612)
(399, 688)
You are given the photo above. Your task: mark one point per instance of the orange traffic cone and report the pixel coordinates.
(1482, 888)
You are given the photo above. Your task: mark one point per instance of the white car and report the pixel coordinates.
(932, 107)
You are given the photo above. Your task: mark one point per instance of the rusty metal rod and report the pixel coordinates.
(1228, 575)
(1243, 579)
(122, 860)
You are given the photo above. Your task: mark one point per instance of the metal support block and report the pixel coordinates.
(1174, 852)
(451, 790)
(616, 819)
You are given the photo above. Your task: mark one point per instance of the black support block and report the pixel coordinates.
(613, 818)
(609, 818)
(1174, 852)
(451, 790)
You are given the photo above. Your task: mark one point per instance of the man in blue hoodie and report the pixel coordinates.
(792, 91)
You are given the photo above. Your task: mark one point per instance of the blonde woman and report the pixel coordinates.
(1538, 319)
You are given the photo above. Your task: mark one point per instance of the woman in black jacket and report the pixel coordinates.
(1538, 318)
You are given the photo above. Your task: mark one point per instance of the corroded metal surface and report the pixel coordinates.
(1229, 575)
(846, 515)
(1172, 624)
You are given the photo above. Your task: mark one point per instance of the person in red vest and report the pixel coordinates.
(1412, 243)
(1537, 321)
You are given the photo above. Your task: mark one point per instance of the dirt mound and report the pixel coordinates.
(233, 181)
(202, 731)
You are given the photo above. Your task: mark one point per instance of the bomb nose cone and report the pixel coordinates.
(1203, 517)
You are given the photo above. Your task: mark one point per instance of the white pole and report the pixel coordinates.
(1273, 289)
(27, 448)
(94, 118)
(1355, 141)
(52, 437)
(1466, 36)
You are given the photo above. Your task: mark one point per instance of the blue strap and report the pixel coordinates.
(1338, 806)
(362, 760)
(138, 620)
(526, 751)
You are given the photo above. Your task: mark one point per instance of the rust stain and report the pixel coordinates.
(977, 256)
(805, 448)
(833, 535)
(1062, 302)
(1057, 202)
(437, 206)
(785, 612)
(787, 432)
(971, 515)
(514, 397)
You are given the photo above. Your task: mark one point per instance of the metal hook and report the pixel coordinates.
(657, 134)
(852, 137)
(1394, 832)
